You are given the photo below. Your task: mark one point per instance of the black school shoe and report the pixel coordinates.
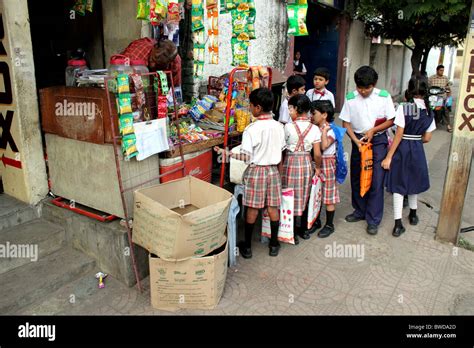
(305, 235)
(372, 229)
(297, 240)
(413, 219)
(353, 218)
(245, 251)
(326, 231)
(274, 250)
(316, 226)
(398, 230)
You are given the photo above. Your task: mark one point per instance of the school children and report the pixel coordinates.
(320, 81)
(262, 144)
(366, 114)
(294, 85)
(406, 160)
(323, 115)
(301, 137)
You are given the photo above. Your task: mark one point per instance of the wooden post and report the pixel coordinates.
(460, 153)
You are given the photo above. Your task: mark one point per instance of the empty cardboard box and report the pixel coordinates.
(196, 283)
(181, 219)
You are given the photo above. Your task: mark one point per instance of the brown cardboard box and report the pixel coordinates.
(196, 283)
(181, 219)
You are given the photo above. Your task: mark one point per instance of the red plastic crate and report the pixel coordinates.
(197, 164)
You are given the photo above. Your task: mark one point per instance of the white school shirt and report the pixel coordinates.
(331, 150)
(264, 141)
(400, 116)
(313, 96)
(291, 135)
(362, 112)
(284, 112)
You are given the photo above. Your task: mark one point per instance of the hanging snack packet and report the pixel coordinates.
(229, 4)
(174, 15)
(297, 20)
(129, 147)
(199, 52)
(153, 17)
(211, 4)
(90, 5)
(126, 124)
(198, 37)
(197, 15)
(251, 20)
(124, 103)
(239, 22)
(139, 90)
(123, 84)
(163, 83)
(143, 10)
(162, 106)
(239, 52)
(80, 7)
(161, 10)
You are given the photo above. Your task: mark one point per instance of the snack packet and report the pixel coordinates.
(126, 124)
(90, 5)
(124, 103)
(80, 7)
(123, 84)
(239, 52)
(297, 20)
(161, 9)
(143, 10)
(174, 15)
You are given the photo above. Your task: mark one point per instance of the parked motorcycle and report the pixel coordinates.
(437, 100)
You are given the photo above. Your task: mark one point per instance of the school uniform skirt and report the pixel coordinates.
(297, 174)
(262, 187)
(330, 191)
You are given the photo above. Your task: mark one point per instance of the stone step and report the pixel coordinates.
(32, 282)
(24, 243)
(14, 212)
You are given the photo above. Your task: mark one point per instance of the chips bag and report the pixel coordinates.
(124, 103)
(366, 168)
(153, 17)
(80, 7)
(297, 20)
(161, 9)
(239, 52)
(197, 15)
(239, 22)
(123, 84)
(143, 10)
(129, 147)
(90, 5)
(126, 124)
(174, 15)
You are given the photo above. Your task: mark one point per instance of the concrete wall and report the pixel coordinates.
(271, 48)
(120, 25)
(28, 184)
(358, 52)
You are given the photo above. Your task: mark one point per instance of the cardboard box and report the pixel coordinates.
(196, 283)
(181, 219)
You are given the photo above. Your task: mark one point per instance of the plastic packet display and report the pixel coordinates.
(143, 10)
(197, 15)
(239, 22)
(174, 11)
(124, 103)
(161, 9)
(80, 7)
(139, 90)
(162, 106)
(153, 17)
(90, 5)
(129, 147)
(240, 55)
(198, 69)
(123, 84)
(126, 124)
(211, 3)
(297, 20)
(251, 19)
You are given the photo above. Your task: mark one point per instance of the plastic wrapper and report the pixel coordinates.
(90, 5)
(297, 20)
(123, 84)
(161, 9)
(143, 10)
(197, 15)
(162, 106)
(174, 15)
(139, 91)
(153, 17)
(164, 88)
(211, 3)
(124, 103)
(80, 7)
(240, 55)
(239, 22)
(242, 119)
(129, 147)
(366, 168)
(229, 4)
(126, 124)
(263, 71)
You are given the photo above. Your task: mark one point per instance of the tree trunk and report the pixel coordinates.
(416, 57)
(424, 60)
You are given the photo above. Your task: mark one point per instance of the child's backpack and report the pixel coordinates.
(341, 165)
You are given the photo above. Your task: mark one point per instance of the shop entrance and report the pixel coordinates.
(320, 47)
(57, 32)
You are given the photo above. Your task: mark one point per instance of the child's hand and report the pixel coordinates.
(218, 150)
(326, 128)
(386, 163)
(368, 136)
(318, 171)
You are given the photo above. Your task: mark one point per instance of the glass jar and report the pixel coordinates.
(74, 66)
(119, 64)
(139, 66)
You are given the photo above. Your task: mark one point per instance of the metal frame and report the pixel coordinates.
(118, 152)
(227, 111)
(58, 201)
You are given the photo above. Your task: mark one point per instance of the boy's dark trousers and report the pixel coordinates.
(369, 207)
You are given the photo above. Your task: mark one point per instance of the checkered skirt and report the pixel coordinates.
(262, 187)
(297, 174)
(330, 190)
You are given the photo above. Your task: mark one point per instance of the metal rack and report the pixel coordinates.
(152, 104)
(241, 76)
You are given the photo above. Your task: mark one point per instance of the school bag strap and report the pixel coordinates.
(384, 93)
(350, 95)
(341, 165)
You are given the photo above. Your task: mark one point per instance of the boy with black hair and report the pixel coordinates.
(367, 113)
(294, 85)
(263, 142)
(319, 92)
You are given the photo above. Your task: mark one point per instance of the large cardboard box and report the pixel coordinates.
(196, 283)
(181, 219)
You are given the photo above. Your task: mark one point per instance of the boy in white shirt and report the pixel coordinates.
(294, 85)
(263, 142)
(367, 114)
(319, 92)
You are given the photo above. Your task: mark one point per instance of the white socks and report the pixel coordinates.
(398, 204)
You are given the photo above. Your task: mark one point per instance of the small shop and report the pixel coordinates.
(123, 142)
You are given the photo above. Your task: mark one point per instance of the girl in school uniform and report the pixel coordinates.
(406, 160)
(301, 137)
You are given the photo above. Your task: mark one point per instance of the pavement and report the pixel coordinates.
(409, 275)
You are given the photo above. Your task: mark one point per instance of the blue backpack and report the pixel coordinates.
(341, 165)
